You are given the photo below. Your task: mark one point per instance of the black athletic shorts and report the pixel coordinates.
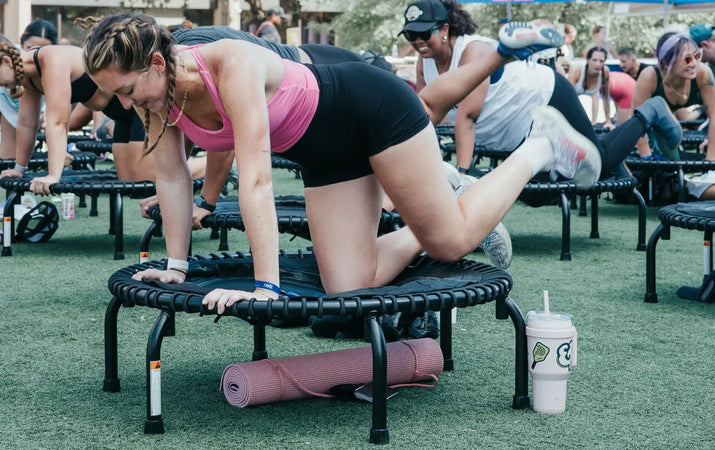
(362, 111)
(128, 127)
(329, 54)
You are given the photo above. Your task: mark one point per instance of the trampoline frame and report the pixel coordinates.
(669, 216)
(654, 167)
(127, 292)
(116, 189)
(227, 216)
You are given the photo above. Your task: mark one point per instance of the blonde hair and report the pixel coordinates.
(129, 41)
(7, 48)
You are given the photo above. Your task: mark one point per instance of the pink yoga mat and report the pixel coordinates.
(274, 380)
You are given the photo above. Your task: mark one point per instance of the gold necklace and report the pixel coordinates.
(682, 96)
(186, 89)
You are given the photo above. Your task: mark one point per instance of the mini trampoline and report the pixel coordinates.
(81, 161)
(291, 220)
(537, 193)
(689, 216)
(425, 284)
(656, 170)
(92, 183)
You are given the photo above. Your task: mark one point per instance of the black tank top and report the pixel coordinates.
(83, 88)
(694, 99)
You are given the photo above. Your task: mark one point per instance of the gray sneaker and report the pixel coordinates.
(497, 244)
(575, 156)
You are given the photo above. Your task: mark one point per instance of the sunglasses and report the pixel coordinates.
(424, 35)
(697, 56)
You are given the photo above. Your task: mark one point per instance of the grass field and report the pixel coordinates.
(644, 378)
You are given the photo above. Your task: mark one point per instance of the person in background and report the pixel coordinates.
(682, 80)
(703, 34)
(566, 51)
(593, 79)
(37, 34)
(268, 30)
(600, 39)
(629, 63)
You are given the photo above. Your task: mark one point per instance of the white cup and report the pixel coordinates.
(551, 340)
(67, 206)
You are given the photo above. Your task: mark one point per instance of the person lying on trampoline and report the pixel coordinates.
(56, 72)
(352, 146)
(496, 114)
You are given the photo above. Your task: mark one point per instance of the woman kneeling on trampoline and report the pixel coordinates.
(236, 95)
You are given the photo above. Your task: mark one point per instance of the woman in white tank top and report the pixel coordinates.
(592, 79)
(496, 114)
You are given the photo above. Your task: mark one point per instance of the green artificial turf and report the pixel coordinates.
(644, 378)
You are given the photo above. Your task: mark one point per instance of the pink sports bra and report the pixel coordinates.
(290, 110)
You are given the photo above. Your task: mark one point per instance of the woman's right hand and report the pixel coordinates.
(165, 276)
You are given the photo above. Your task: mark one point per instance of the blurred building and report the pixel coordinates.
(16, 14)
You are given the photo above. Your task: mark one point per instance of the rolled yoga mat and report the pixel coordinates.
(274, 380)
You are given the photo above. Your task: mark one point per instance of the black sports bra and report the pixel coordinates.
(83, 88)
(693, 99)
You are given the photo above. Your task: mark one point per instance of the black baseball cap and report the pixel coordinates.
(423, 15)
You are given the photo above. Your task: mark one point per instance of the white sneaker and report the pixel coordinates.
(497, 246)
(575, 156)
(520, 39)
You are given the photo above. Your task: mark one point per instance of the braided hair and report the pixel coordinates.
(129, 41)
(7, 48)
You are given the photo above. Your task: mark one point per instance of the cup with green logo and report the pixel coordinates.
(551, 342)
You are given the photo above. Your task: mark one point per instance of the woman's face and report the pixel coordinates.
(596, 62)
(35, 41)
(686, 64)
(429, 43)
(144, 89)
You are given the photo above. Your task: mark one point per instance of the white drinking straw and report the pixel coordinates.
(546, 302)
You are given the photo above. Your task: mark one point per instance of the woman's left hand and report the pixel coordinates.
(42, 185)
(224, 298)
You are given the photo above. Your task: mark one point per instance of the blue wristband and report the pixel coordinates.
(273, 288)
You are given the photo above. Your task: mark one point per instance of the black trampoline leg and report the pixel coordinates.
(82, 201)
(594, 216)
(521, 374)
(12, 198)
(641, 220)
(445, 337)
(93, 212)
(111, 366)
(582, 206)
(144, 242)
(259, 342)
(379, 434)
(154, 423)
(223, 239)
(117, 218)
(565, 228)
(650, 295)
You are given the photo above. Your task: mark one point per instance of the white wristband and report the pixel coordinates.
(180, 265)
(20, 167)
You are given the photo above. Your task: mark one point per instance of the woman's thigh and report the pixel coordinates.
(7, 140)
(131, 164)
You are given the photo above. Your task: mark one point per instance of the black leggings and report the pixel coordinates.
(615, 145)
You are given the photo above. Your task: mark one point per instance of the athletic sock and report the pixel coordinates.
(537, 151)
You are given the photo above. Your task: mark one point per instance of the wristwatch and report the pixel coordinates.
(202, 203)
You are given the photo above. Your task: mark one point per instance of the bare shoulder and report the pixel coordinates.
(705, 76)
